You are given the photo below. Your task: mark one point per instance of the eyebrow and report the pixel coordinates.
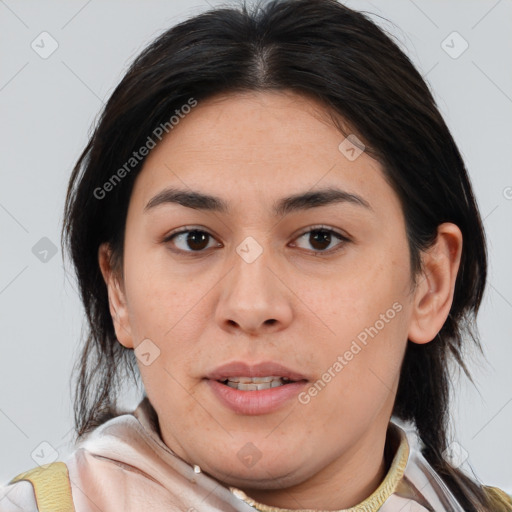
(286, 205)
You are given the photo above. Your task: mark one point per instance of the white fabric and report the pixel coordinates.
(17, 497)
(124, 466)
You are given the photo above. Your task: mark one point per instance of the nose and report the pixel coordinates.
(255, 298)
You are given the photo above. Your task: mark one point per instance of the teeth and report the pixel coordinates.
(255, 383)
(254, 380)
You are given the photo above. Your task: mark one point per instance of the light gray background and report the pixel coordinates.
(47, 107)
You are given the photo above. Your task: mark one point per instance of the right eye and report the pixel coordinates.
(191, 240)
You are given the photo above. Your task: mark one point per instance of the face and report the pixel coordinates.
(315, 288)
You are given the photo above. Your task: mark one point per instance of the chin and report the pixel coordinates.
(261, 475)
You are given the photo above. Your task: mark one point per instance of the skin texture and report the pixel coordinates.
(203, 310)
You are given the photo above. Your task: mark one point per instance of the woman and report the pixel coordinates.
(274, 228)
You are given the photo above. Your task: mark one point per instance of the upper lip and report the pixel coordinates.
(264, 369)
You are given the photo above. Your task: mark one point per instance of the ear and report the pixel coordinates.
(433, 296)
(116, 297)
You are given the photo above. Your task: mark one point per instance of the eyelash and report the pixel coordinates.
(343, 239)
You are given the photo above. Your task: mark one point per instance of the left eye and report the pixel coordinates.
(321, 238)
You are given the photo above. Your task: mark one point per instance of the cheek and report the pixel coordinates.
(358, 362)
(354, 298)
(162, 303)
(164, 319)
(359, 380)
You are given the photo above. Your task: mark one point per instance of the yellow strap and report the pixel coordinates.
(51, 487)
(501, 500)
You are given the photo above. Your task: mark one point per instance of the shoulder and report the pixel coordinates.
(501, 500)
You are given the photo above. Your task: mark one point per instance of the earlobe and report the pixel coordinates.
(433, 296)
(116, 297)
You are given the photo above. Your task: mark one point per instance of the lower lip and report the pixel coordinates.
(255, 402)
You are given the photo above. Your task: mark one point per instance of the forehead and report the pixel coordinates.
(257, 146)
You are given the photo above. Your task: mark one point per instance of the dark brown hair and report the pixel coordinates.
(327, 51)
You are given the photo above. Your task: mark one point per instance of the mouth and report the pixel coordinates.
(255, 389)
